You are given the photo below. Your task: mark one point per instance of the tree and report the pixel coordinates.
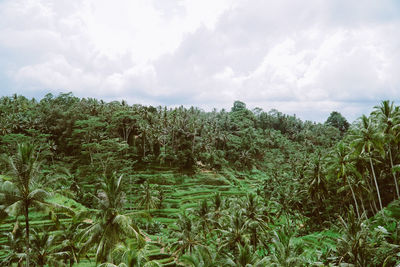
(125, 123)
(13, 247)
(253, 212)
(131, 255)
(317, 185)
(218, 209)
(87, 134)
(235, 232)
(353, 246)
(187, 238)
(386, 114)
(365, 140)
(203, 213)
(201, 257)
(45, 250)
(285, 253)
(238, 106)
(19, 194)
(336, 119)
(147, 198)
(246, 258)
(69, 238)
(110, 227)
(339, 163)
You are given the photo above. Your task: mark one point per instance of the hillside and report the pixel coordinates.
(86, 183)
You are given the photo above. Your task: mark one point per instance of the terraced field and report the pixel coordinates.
(181, 192)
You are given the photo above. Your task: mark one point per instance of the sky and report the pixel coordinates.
(307, 58)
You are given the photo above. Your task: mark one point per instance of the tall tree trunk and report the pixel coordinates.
(373, 207)
(394, 175)
(362, 205)
(173, 141)
(27, 233)
(91, 158)
(193, 141)
(354, 197)
(144, 143)
(376, 183)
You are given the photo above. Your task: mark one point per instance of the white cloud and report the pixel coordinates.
(294, 56)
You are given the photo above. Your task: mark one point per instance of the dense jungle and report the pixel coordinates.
(85, 182)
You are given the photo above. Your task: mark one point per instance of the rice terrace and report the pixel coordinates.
(208, 133)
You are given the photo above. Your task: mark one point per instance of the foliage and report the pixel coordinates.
(219, 188)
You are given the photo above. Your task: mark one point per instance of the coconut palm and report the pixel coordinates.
(253, 212)
(252, 208)
(246, 258)
(353, 246)
(69, 237)
(285, 253)
(203, 213)
(13, 247)
(21, 193)
(45, 250)
(131, 255)
(387, 117)
(317, 185)
(147, 196)
(340, 164)
(110, 226)
(187, 238)
(365, 140)
(201, 257)
(218, 208)
(234, 232)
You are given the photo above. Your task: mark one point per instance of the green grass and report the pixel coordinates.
(67, 202)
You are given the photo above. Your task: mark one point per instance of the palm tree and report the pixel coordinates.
(317, 188)
(160, 197)
(366, 139)
(45, 250)
(201, 257)
(13, 247)
(147, 198)
(386, 114)
(218, 212)
(203, 213)
(284, 252)
(187, 238)
(339, 163)
(20, 193)
(353, 246)
(235, 232)
(131, 255)
(110, 227)
(253, 212)
(69, 237)
(246, 258)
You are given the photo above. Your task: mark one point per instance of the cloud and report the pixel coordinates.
(294, 57)
(307, 59)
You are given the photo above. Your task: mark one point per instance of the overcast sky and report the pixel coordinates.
(301, 57)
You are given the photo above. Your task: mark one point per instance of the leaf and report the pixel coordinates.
(38, 195)
(396, 168)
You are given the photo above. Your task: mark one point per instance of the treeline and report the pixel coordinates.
(96, 133)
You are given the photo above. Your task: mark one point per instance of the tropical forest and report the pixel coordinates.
(86, 182)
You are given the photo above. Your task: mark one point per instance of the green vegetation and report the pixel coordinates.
(89, 183)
